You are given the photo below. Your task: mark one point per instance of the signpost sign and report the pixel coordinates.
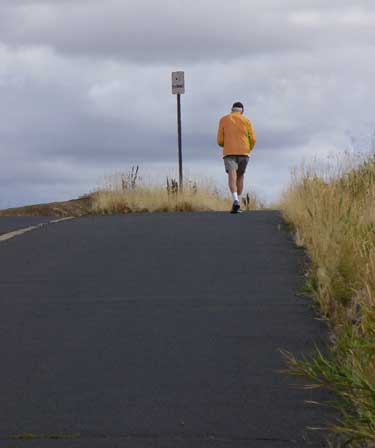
(178, 83)
(178, 88)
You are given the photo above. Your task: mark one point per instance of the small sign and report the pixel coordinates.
(178, 83)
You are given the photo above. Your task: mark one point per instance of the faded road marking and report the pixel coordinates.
(9, 235)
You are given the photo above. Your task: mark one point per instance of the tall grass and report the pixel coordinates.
(332, 213)
(125, 193)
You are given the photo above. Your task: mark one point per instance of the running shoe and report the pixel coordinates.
(236, 208)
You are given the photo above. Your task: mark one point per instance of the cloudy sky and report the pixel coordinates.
(85, 88)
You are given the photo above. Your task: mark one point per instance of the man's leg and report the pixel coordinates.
(240, 178)
(242, 164)
(231, 167)
(232, 181)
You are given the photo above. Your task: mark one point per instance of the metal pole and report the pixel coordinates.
(179, 141)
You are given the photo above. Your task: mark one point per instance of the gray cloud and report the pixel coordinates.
(85, 89)
(168, 31)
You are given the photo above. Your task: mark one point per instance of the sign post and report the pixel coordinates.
(178, 88)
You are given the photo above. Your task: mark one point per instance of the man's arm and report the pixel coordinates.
(251, 135)
(220, 134)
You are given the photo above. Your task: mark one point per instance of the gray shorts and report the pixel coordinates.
(236, 163)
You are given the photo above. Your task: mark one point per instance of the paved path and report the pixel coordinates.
(154, 330)
(11, 223)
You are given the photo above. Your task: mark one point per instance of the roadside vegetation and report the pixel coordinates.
(128, 193)
(331, 211)
(74, 207)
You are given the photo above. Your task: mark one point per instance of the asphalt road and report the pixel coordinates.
(155, 330)
(11, 223)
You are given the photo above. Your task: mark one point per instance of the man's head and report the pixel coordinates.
(237, 107)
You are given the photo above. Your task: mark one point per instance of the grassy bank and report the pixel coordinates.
(75, 207)
(128, 193)
(332, 214)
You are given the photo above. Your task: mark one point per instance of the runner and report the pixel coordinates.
(237, 137)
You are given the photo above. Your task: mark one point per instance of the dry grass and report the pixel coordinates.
(75, 207)
(127, 193)
(332, 212)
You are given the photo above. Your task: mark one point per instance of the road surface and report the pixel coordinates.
(155, 330)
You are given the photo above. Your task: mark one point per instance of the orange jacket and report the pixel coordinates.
(236, 135)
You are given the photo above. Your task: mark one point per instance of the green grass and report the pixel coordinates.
(333, 218)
